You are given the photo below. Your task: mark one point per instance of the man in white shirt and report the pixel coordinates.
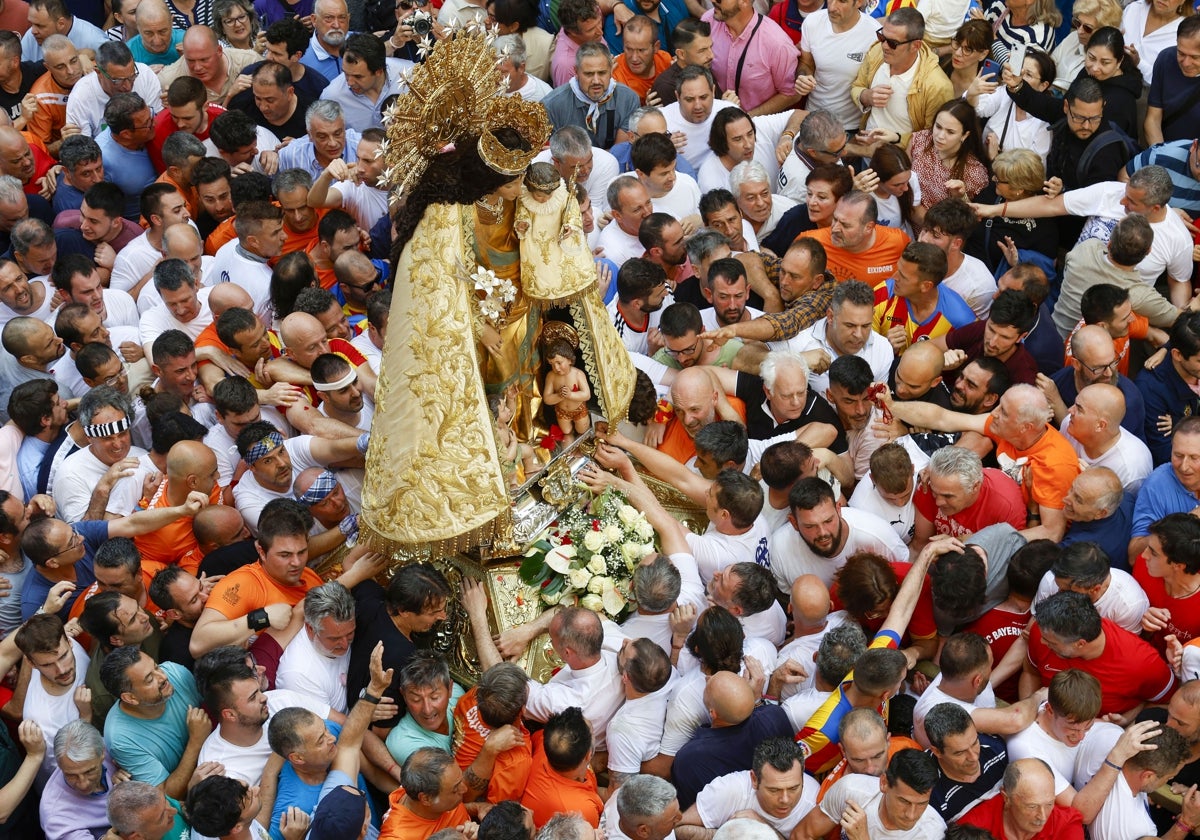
(736, 137)
(260, 237)
(751, 186)
(116, 72)
(745, 590)
(370, 341)
(846, 331)
(1084, 567)
(819, 536)
(894, 806)
(574, 157)
(645, 807)
(693, 113)
(162, 206)
(890, 496)
(635, 731)
(629, 202)
(837, 652)
(53, 697)
(20, 296)
(1093, 428)
(642, 291)
(317, 658)
(653, 156)
(185, 304)
(833, 43)
(1062, 723)
(776, 790)
(76, 277)
(948, 224)
(663, 583)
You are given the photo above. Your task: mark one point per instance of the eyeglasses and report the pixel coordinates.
(72, 544)
(127, 80)
(836, 153)
(1100, 370)
(235, 21)
(892, 42)
(687, 351)
(1084, 120)
(1086, 29)
(373, 283)
(117, 378)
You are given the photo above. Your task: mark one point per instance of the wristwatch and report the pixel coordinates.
(258, 619)
(370, 698)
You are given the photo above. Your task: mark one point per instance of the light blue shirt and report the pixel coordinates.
(83, 35)
(150, 749)
(1159, 495)
(361, 113)
(131, 171)
(300, 154)
(29, 464)
(316, 58)
(140, 53)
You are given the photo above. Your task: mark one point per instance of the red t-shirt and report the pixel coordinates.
(1062, 824)
(42, 161)
(164, 127)
(1129, 669)
(920, 626)
(1000, 629)
(999, 501)
(1185, 612)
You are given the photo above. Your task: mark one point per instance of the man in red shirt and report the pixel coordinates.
(1069, 633)
(25, 161)
(960, 497)
(1168, 570)
(187, 110)
(1025, 808)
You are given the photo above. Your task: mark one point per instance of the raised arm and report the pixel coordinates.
(671, 532)
(349, 748)
(928, 416)
(662, 465)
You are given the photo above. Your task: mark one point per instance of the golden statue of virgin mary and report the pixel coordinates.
(435, 483)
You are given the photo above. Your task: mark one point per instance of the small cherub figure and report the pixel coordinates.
(566, 389)
(517, 459)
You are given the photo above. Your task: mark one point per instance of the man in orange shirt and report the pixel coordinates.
(491, 743)
(856, 248)
(419, 810)
(697, 401)
(291, 188)
(866, 747)
(180, 153)
(63, 70)
(562, 780)
(261, 595)
(642, 61)
(190, 466)
(337, 233)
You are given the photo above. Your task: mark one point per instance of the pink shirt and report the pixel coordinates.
(562, 62)
(770, 66)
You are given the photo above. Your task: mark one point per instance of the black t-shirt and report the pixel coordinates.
(952, 799)
(373, 625)
(937, 395)
(226, 559)
(30, 72)
(294, 127)
(174, 647)
(760, 425)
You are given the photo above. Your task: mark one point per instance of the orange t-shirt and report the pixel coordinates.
(640, 86)
(679, 444)
(224, 233)
(1139, 328)
(512, 766)
(149, 570)
(190, 197)
(1044, 471)
(402, 824)
(305, 241)
(250, 588)
(47, 121)
(873, 266)
(548, 793)
(173, 543)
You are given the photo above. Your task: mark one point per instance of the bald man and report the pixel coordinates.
(224, 540)
(357, 278)
(1093, 427)
(157, 41)
(1025, 808)
(216, 66)
(738, 726)
(811, 620)
(1092, 360)
(32, 349)
(182, 242)
(63, 70)
(27, 164)
(190, 466)
(1099, 509)
(917, 375)
(697, 402)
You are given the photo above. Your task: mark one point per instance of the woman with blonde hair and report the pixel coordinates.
(1016, 174)
(1086, 17)
(1150, 26)
(1021, 22)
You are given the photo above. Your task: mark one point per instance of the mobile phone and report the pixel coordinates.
(1016, 59)
(990, 68)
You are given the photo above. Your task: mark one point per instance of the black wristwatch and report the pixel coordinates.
(370, 698)
(258, 619)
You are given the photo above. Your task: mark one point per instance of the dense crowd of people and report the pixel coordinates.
(910, 293)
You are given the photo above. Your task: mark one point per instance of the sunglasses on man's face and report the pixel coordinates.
(892, 42)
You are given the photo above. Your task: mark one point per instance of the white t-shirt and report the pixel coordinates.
(888, 207)
(1171, 248)
(934, 695)
(635, 731)
(1029, 133)
(234, 264)
(864, 791)
(1129, 458)
(943, 17)
(534, 89)
(250, 497)
(42, 313)
(53, 712)
(696, 150)
(877, 352)
(837, 57)
(682, 201)
(1124, 814)
(619, 246)
(802, 705)
(363, 344)
(791, 556)
(365, 203)
(894, 115)
(80, 474)
(158, 319)
(1123, 603)
(974, 284)
(1035, 742)
(803, 649)
(121, 309)
(86, 108)
(133, 262)
(247, 763)
(715, 551)
(770, 624)
(657, 628)
(902, 519)
(725, 795)
(305, 669)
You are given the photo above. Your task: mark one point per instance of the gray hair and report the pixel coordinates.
(78, 741)
(424, 668)
(30, 233)
(703, 242)
(104, 396)
(511, 47)
(180, 146)
(748, 172)
(1032, 406)
(113, 52)
(171, 274)
(568, 141)
(422, 771)
(564, 827)
(617, 186)
(643, 795)
(639, 114)
(854, 292)
(56, 42)
(1156, 181)
(745, 829)
(11, 190)
(290, 179)
(657, 584)
(769, 369)
(323, 109)
(960, 463)
(839, 650)
(819, 129)
(127, 801)
(592, 49)
(329, 600)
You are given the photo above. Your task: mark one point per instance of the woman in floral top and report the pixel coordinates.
(948, 158)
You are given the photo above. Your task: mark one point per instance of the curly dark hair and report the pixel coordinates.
(458, 176)
(644, 402)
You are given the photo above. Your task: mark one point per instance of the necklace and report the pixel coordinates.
(495, 210)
